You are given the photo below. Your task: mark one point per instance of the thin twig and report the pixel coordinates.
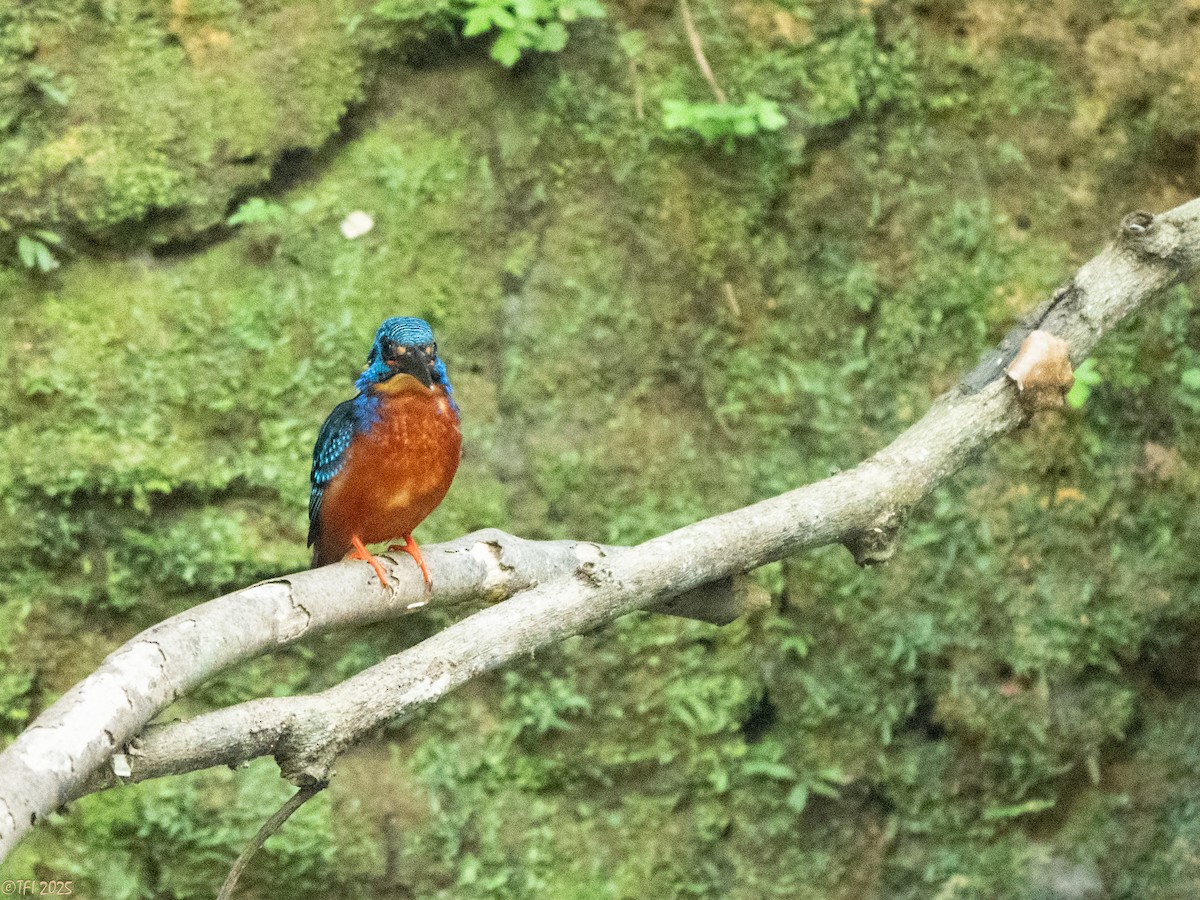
(731, 299)
(639, 104)
(698, 50)
(271, 826)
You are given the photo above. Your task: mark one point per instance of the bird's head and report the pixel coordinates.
(404, 345)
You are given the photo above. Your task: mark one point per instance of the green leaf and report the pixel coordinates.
(676, 114)
(27, 251)
(507, 49)
(795, 644)
(825, 790)
(506, 19)
(478, 21)
(774, 770)
(34, 254)
(769, 116)
(52, 91)
(1190, 379)
(553, 38)
(524, 24)
(797, 799)
(1086, 377)
(45, 259)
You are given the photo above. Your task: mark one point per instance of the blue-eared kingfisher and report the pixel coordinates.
(385, 459)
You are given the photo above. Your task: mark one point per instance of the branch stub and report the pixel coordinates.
(1042, 371)
(1137, 224)
(1150, 235)
(875, 545)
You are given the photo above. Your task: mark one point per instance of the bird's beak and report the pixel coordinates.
(410, 360)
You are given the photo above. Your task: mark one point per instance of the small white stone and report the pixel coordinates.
(120, 765)
(356, 225)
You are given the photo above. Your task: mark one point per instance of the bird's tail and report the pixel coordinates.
(323, 555)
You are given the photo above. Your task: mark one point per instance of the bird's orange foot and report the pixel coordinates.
(410, 547)
(361, 552)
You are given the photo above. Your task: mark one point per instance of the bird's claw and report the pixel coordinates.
(410, 547)
(361, 552)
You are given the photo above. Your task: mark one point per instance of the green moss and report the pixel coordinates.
(161, 117)
(641, 332)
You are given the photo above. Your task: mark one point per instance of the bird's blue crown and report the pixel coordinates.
(406, 331)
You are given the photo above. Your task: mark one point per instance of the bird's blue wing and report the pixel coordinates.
(329, 455)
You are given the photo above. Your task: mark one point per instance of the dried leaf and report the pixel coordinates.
(1042, 371)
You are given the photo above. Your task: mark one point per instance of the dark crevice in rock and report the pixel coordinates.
(294, 166)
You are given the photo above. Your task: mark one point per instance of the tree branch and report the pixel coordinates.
(91, 723)
(558, 588)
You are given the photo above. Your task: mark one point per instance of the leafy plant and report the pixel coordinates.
(34, 250)
(543, 706)
(765, 760)
(257, 211)
(539, 25)
(716, 121)
(1086, 378)
(48, 83)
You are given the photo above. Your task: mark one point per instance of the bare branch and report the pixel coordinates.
(564, 588)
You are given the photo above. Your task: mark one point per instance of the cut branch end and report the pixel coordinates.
(1042, 371)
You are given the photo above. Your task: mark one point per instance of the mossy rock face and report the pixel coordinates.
(642, 330)
(129, 122)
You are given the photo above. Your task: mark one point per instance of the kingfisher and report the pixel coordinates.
(384, 460)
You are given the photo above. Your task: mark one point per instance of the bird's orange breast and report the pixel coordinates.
(396, 472)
